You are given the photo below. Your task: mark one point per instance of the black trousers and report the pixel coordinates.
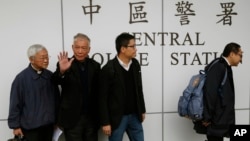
(214, 138)
(85, 130)
(43, 133)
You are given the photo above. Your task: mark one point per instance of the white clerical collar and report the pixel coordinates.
(37, 71)
(126, 67)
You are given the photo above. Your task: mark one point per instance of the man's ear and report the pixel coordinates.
(31, 59)
(232, 54)
(123, 49)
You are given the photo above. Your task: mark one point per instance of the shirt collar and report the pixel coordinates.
(226, 60)
(37, 71)
(35, 74)
(126, 67)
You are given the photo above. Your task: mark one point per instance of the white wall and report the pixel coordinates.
(54, 23)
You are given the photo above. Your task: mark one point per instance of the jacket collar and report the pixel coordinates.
(37, 74)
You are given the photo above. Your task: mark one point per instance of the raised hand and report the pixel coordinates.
(64, 62)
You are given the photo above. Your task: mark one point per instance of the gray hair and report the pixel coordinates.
(81, 36)
(33, 49)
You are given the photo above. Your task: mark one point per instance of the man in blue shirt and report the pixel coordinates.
(33, 98)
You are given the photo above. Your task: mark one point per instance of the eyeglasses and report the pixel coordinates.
(44, 58)
(132, 46)
(240, 54)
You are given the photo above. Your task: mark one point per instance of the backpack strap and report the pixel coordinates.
(224, 79)
(221, 87)
(222, 82)
(207, 68)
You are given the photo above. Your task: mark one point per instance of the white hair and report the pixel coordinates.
(33, 49)
(81, 36)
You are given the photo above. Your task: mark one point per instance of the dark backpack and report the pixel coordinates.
(190, 104)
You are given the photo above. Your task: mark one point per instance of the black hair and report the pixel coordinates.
(123, 40)
(231, 47)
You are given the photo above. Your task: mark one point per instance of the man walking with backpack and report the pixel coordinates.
(219, 106)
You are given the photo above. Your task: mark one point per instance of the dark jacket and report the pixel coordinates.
(112, 93)
(72, 92)
(33, 100)
(219, 108)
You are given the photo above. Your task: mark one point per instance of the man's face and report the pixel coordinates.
(130, 50)
(81, 49)
(40, 60)
(237, 58)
